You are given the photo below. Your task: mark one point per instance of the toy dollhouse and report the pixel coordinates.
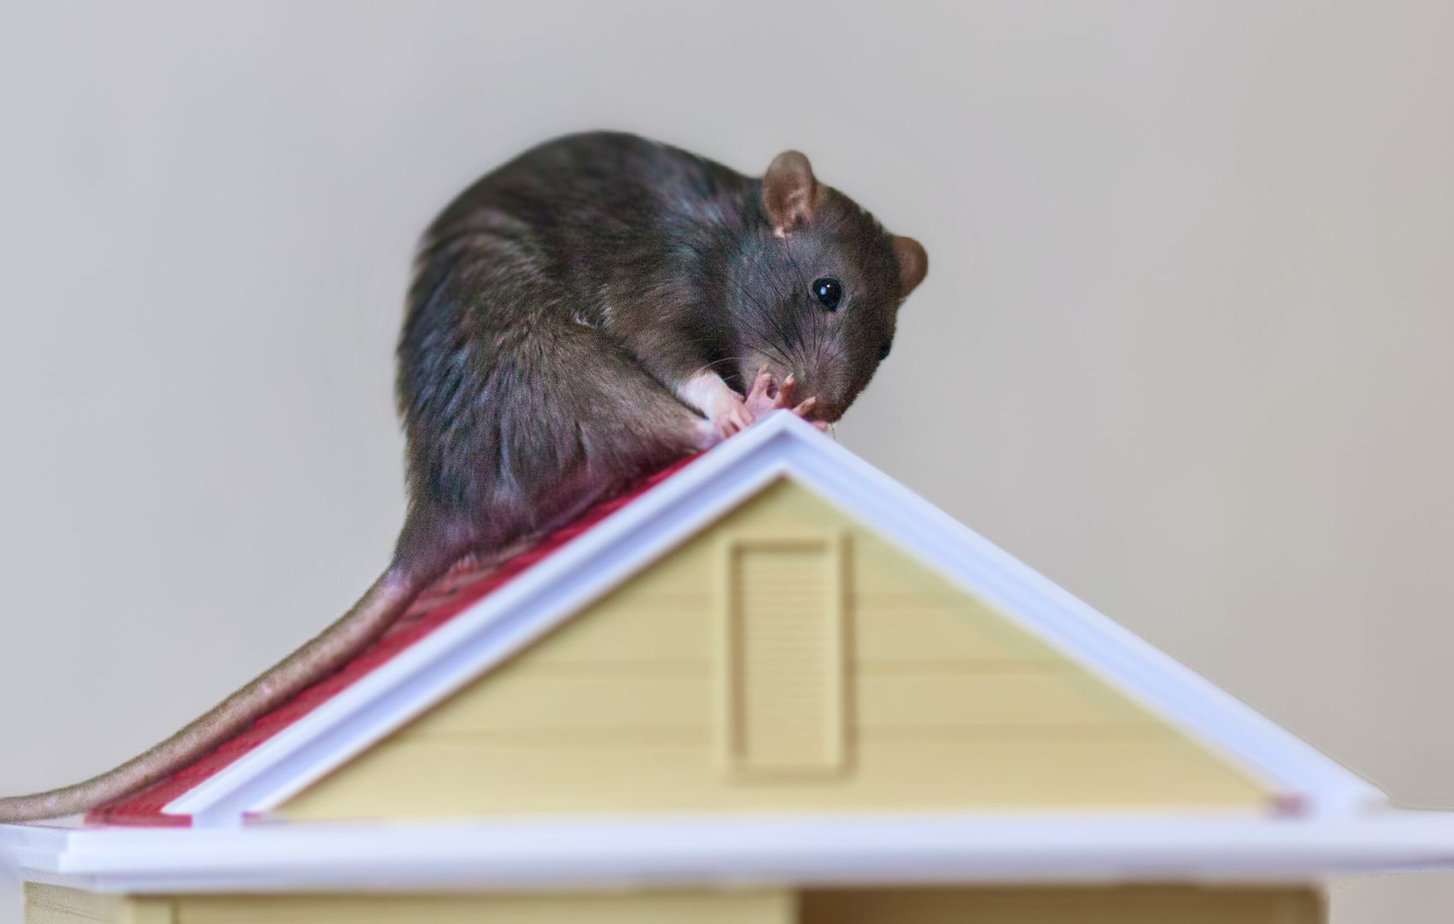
(771, 685)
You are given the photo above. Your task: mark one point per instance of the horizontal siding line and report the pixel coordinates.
(966, 666)
(565, 737)
(945, 599)
(564, 665)
(653, 600)
(72, 911)
(576, 666)
(1127, 731)
(665, 599)
(67, 910)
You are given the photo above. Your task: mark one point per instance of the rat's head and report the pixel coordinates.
(816, 290)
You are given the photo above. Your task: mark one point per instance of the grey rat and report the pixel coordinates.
(579, 317)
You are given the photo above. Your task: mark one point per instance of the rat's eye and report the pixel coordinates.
(883, 351)
(828, 291)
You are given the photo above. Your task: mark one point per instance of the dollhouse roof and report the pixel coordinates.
(207, 829)
(470, 622)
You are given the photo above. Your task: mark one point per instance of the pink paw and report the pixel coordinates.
(731, 419)
(767, 396)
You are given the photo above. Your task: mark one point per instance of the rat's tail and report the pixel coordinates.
(380, 606)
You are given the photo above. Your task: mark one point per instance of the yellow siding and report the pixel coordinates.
(54, 905)
(46, 904)
(646, 908)
(51, 905)
(946, 705)
(1124, 905)
(1082, 905)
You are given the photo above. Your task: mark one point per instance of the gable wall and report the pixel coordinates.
(631, 707)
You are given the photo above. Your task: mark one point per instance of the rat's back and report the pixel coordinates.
(506, 368)
(591, 202)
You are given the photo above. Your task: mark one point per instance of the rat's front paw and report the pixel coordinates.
(729, 416)
(767, 396)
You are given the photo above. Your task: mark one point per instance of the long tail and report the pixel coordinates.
(380, 606)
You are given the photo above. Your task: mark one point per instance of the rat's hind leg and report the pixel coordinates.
(625, 413)
(569, 416)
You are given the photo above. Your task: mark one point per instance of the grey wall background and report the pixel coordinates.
(1185, 345)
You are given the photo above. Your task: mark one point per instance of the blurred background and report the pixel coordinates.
(1185, 345)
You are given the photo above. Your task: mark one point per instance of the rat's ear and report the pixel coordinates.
(913, 263)
(789, 192)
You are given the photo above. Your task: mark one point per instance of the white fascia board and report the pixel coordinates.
(780, 851)
(603, 557)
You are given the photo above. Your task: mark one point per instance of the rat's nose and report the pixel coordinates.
(825, 411)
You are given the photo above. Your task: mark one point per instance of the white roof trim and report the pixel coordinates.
(629, 539)
(734, 853)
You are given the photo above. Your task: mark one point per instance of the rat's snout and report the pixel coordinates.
(828, 403)
(826, 408)
(826, 411)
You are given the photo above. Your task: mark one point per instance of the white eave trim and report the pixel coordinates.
(619, 546)
(781, 851)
